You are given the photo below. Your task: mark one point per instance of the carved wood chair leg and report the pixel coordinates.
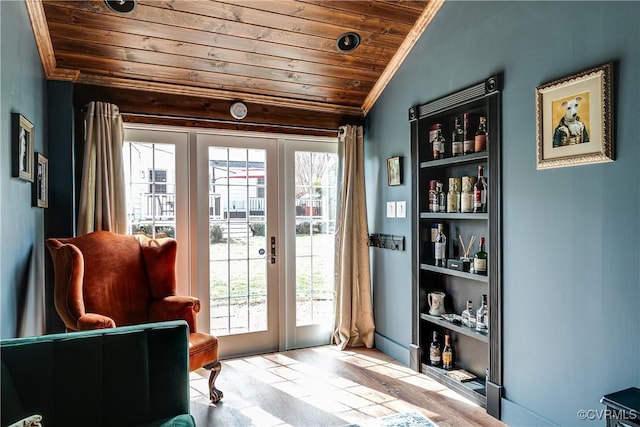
(214, 394)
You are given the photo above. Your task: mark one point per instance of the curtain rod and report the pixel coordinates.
(233, 122)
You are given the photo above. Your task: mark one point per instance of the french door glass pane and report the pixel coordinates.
(150, 178)
(315, 207)
(238, 246)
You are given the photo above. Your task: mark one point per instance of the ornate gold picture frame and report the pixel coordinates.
(574, 119)
(394, 171)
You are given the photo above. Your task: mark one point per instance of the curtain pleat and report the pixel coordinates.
(102, 193)
(354, 324)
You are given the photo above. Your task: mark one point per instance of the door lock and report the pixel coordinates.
(273, 250)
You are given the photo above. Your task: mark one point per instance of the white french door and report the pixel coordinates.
(310, 195)
(238, 260)
(254, 216)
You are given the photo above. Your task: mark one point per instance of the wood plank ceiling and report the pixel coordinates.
(193, 58)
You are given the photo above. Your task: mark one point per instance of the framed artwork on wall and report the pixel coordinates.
(40, 185)
(22, 143)
(574, 119)
(394, 170)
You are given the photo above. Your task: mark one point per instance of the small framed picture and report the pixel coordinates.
(574, 119)
(22, 141)
(394, 170)
(40, 185)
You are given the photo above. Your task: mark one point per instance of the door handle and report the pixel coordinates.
(273, 250)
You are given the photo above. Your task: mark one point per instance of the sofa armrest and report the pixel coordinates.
(176, 307)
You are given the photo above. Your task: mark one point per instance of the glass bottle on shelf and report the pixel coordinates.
(433, 196)
(453, 195)
(447, 354)
(469, 315)
(482, 315)
(466, 195)
(442, 203)
(456, 138)
(480, 192)
(468, 143)
(480, 141)
(480, 259)
(435, 356)
(438, 143)
(441, 248)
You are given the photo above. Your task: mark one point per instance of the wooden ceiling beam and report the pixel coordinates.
(218, 94)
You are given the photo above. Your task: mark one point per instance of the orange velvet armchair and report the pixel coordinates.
(103, 280)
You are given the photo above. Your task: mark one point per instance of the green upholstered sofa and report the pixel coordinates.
(126, 376)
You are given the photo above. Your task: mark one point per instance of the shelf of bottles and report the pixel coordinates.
(456, 147)
(466, 330)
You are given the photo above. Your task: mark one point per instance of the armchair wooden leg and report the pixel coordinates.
(214, 394)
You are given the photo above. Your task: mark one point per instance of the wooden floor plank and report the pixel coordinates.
(323, 386)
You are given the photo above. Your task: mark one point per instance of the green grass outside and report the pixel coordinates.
(314, 267)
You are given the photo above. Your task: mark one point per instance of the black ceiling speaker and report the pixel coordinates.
(348, 42)
(121, 6)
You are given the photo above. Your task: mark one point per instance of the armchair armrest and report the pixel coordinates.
(91, 321)
(175, 307)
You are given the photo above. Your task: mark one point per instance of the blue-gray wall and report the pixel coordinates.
(22, 226)
(571, 236)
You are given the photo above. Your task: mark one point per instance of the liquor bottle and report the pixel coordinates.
(468, 143)
(480, 141)
(456, 138)
(433, 196)
(438, 144)
(480, 259)
(453, 196)
(442, 203)
(447, 354)
(466, 195)
(480, 192)
(482, 315)
(441, 248)
(435, 356)
(469, 316)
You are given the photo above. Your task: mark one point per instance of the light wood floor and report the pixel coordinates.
(323, 386)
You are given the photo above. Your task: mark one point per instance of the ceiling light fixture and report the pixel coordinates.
(348, 42)
(121, 6)
(238, 110)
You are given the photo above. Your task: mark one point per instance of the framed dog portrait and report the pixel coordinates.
(394, 170)
(40, 185)
(22, 142)
(574, 119)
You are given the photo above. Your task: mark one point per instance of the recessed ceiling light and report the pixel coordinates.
(121, 6)
(348, 42)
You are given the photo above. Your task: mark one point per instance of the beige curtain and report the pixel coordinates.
(102, 195)
(354, 325)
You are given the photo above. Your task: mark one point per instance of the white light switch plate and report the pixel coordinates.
(401, 209)
(391, 209)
